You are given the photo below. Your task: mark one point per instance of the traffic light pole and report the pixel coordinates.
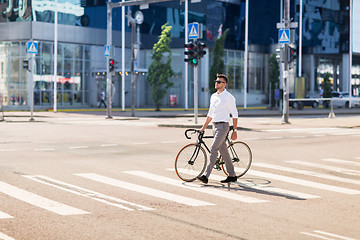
(285, 116)
(196, 94)
(108, 73)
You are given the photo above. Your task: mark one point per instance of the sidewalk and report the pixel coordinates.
(249, 119)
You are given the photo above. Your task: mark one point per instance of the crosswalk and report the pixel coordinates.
(337, 176)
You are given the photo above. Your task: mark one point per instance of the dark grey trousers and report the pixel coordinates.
(219, 145)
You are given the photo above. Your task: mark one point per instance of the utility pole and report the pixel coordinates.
(285, 56)
(108, 72)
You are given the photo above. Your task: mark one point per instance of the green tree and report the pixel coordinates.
(218, 65)
(274, 72)
(160, 69)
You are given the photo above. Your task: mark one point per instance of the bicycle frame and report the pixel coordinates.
(200, 142)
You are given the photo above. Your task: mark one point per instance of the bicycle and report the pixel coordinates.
(191, 160)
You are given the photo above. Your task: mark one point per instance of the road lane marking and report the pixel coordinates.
(334, 235)
(78, 147)
(144, 190)
(341, 161)
(336, 169)
(263, 188)
(5, 215)
(87, 193)
(5, 237)
(39, 201)
(314, 174)
(316, 233)
(109, 145)
(140, 143)
(195, 187)
(302, 182)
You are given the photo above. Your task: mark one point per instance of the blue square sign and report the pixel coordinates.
(284, 36)
(193, 30)
(32, 47)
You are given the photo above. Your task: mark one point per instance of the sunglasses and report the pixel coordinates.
(218, 82)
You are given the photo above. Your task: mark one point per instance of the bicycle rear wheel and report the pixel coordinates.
(190, 162)
(241, 157)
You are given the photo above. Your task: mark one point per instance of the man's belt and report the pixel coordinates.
(219, 122)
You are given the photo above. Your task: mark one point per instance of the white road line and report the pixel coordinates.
(39, 201)
(194, 187)
(144, 190)
(336, 169)
(109, 145)
(9, 150)
(140, 143)
(333, 235)
(78, 147)
(5, 237)
(314, 174)
(87, 193)
(4, 215)
(341, 161)
(316, 233)
(262, 188)
(319, 135)
(303, 182)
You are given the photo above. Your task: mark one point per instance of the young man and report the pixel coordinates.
(222, 104)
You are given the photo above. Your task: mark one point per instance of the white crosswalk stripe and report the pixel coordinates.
(304, 172)
(88, 193)
(303, 182)
(144, 190)
(5, 237)
(263, 188)
(334, 160)
(39, 201)
(4, 215)
(331, 168)
(195, 187)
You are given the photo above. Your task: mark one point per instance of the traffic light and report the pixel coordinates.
(111, 65)
(26, 64)
(201, 49)
(191, 54)
(292, 54)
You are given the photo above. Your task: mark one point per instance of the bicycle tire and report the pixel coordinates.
(241, 156)
(190, 162)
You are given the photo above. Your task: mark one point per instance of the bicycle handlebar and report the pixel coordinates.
(201, 133)
(193, 132)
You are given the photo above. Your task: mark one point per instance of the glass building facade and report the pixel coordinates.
(81, 64)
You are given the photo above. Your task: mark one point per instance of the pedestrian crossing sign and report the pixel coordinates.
(284, 36)
(32, 47)
(107, 50)
(193, 30)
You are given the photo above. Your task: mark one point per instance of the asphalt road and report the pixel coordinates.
(87, 177)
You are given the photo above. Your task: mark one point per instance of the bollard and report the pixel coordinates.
(331, 114)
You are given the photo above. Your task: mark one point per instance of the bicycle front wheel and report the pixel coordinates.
(190, 162)
(241, 157)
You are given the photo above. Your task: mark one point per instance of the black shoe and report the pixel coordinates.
(229, 179)
(203, 178)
